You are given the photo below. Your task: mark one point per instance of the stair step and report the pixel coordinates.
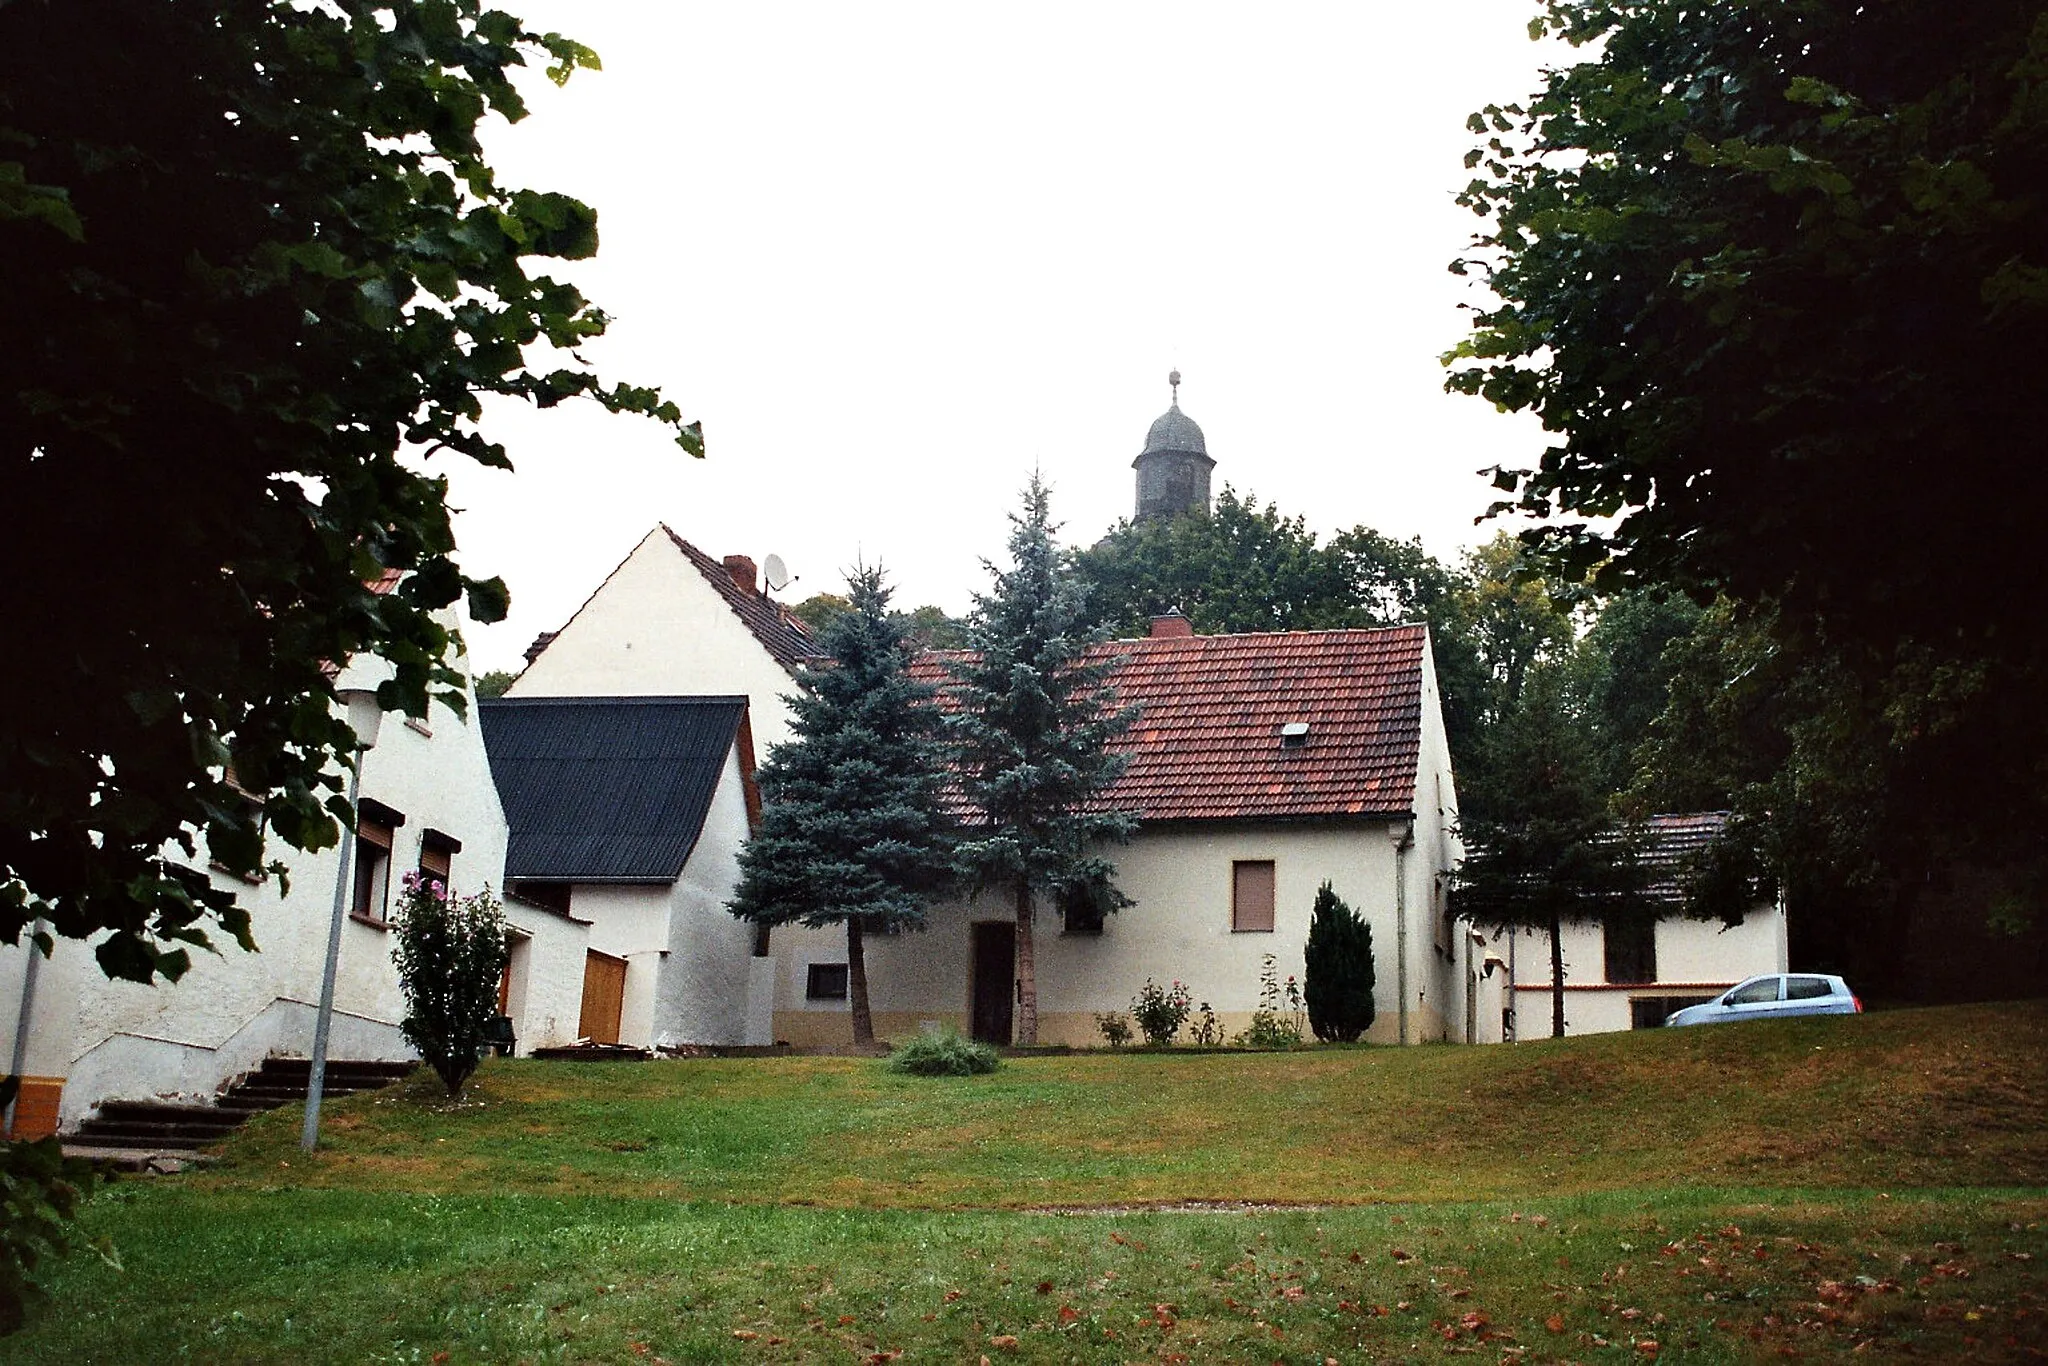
(157, 1111)
(159, 1159)
(149, 1142)
(303, 1067)
(243, 1104)
(177, 1129)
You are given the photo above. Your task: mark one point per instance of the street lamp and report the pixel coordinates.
(364, 717)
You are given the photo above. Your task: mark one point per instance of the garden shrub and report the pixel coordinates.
(1278, 1021)
(1337, 972)
(1160, 1012)
(943, 1054)
(450, 952)
(1115, 1028)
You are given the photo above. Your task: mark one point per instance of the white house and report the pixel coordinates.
(427, 804)
(1632, 974)
(627, 814)
(670, 621)
(1261, 765)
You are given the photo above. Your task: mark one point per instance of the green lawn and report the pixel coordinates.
(1867, 1188)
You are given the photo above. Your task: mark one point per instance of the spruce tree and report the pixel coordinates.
(1337, 976)
(853, 830)
(1034, 717)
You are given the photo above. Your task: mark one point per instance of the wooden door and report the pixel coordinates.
(995, 979)
(604, 993)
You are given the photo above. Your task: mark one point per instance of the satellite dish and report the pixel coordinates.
(775, 574)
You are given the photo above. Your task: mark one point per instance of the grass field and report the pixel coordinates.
(1865, 1188)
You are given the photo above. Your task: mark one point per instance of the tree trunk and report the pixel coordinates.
(1556, 977)
(857, 984)
(1027, 970)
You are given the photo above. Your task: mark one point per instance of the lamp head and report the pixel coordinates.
(365, 716)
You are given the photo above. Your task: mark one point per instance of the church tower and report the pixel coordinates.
(1173, 469)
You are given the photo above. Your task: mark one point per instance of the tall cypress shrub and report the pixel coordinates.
(1338, 977)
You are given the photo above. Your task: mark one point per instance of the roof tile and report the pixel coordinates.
(1206, 744)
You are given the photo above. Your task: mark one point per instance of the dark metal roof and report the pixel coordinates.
(1174, 430)
(606, 789)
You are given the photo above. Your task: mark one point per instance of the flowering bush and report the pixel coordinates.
(1207, 1033)
(1280, 1019)
(1115, 1028)
(1160, 1012)
(450, 952)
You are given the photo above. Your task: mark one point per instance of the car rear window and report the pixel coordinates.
(1806, 988)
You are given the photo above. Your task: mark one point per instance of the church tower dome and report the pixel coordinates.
(1173, 469)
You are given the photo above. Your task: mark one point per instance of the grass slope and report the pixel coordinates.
(1948, 1097)
(1868, 1188)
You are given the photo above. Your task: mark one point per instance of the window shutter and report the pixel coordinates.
(1251, 901)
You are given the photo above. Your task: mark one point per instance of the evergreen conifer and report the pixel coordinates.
(1337, 976)
(1035, 715)
(852, 827)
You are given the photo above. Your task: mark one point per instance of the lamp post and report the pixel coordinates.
(364, 717)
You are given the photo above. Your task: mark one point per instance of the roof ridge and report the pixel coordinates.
(777, 629)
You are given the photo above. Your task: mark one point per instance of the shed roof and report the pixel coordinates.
(606, 789)
(1207, 743)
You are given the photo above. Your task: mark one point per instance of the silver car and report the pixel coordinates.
(1773, 995)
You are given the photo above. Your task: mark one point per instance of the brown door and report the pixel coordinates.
(604, 992)
(995, 979)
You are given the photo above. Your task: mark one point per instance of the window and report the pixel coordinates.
(376, 831)
(1251, 897)
(827, 982)
(437, 856)
(373, 870)
(1807, 988)
(1756, 993)
(553, 896)
(1631, 950)
(1081, 909)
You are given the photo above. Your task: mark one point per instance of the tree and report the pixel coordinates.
(853, 825)
(1628, 665)
(495, 682)
(1034, 716)
(928, 627)
(1775, 274)
(1541, 848)
(450, 953)
(1239, 567)
(1337, 970)
(261, 278)
(1242, 567)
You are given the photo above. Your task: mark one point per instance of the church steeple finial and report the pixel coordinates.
(1174, 379)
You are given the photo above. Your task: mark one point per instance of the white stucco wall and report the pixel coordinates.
(1695, 958)
(1180, 930)
(656, 628)
(711, 953)
(547, 976)
(120, 1040)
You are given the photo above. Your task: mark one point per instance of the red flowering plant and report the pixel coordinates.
(1161, 1011)
(451, 952)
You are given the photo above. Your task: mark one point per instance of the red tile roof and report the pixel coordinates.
(780, 633)
(1207, 745)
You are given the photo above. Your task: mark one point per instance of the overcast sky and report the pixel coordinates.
(893, 256)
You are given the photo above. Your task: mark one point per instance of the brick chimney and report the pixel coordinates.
(1172, 626)
(742, 570)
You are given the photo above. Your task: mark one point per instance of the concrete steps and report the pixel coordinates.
(150, 1135)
